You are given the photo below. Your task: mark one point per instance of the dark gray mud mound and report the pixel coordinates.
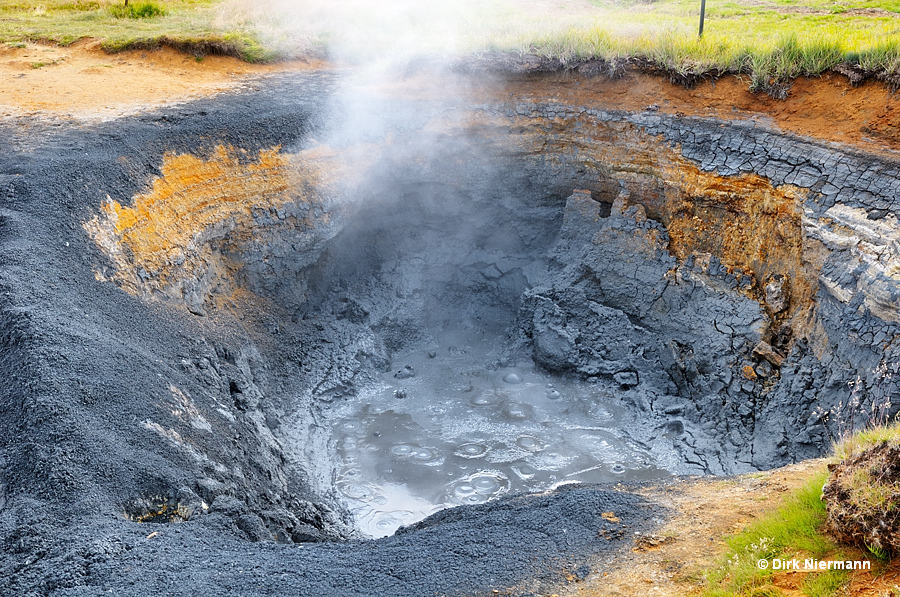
(185, 294)
(522, 545)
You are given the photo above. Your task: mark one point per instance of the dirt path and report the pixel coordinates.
(84, 82)
(670, 562)
(707, 510)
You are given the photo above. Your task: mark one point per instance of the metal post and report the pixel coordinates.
(702, 14)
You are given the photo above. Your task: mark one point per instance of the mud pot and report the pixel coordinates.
(333, 336)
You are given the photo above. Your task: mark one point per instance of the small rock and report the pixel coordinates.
(675, 428)
(405, 373)
(253, 526)
(652, 541)
(399, 393)
(749, 373)
(304, 533)
(764, 369)
(777, 293)
(431, 354)
(626, 378)
(765, 351)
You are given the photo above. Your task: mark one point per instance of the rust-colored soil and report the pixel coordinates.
(826, 108)
(84, 82)
(161, 241)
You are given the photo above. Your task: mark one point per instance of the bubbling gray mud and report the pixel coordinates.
(420, 313)
(445, 430)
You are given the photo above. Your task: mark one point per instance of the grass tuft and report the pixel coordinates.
(139, 10)
(855, 444)
(863, 492)
(826, 583)
(793, 529)
(243, 47)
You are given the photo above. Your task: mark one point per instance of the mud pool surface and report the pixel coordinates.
(444, 430)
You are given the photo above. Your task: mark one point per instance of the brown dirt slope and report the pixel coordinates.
(826, 108)
(670, 562)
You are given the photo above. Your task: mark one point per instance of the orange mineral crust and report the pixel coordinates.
(200, 208)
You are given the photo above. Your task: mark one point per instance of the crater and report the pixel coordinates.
(444, 311)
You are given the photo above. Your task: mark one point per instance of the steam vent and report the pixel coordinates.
(427, 338)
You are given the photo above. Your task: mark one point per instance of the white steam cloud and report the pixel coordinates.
(366, 31)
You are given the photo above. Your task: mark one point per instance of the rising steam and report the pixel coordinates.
(365, 31)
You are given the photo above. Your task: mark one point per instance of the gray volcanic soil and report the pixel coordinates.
(449, 232)
(85, 364)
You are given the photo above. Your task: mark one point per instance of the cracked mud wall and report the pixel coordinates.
(752, 226)
(746, 276)
(804, 229)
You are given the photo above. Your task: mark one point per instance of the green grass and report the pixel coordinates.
(770, 47)
(187, 25)
(793, 530)
(770, 43)
(825, 584)
(140, 10)
(768, 52)
(872, 436)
